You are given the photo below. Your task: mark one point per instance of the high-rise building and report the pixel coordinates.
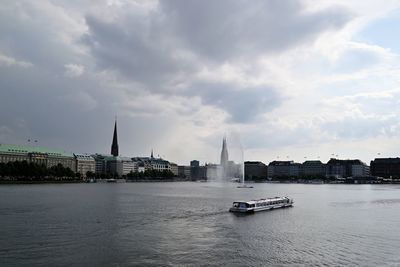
(114, 146)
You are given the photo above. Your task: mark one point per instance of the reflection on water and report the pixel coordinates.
(188, 224)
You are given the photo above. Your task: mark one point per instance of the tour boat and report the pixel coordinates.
(261, 204)
(244, 186)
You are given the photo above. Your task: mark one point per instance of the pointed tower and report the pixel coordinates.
(114, 146)
(224, 153)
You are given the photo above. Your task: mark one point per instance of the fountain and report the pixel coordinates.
(243, 185)
(231, 167)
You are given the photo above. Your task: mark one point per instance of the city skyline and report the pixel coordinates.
(294, 79)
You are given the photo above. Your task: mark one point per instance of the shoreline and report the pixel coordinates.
(7, 182)
(41, 182)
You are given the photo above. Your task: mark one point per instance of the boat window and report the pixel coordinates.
(243, 205)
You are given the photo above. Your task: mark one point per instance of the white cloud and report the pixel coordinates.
(9, 61)
(73, 70)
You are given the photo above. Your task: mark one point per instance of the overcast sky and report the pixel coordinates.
(293, 79)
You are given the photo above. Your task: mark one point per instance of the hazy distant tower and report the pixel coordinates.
(224, 153)
(114, 146)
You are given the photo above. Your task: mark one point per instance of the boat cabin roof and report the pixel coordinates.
(261, 200)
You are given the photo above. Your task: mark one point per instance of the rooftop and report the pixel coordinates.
(7, 148)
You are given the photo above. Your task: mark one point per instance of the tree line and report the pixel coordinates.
(150, 174)
(23, 170)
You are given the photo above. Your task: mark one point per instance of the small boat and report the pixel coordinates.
(244, 186)
(261, 204)
(112, 180)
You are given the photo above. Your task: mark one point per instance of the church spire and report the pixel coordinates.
(114, 146)
(224, 153)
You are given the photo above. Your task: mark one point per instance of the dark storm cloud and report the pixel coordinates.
(134, 49)
(243, 104)
(225, 29)
(164, 48)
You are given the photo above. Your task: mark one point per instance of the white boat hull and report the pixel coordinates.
(261, 205)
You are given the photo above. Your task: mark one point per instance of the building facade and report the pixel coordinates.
(100, 163)
(255, 170)
(39, 155)
(194, 163)
(184, 172)
(386, 167)
(127, 165)
(174, 168)
(283, 169)
(313, 168)
(337, 168)
(84, 163)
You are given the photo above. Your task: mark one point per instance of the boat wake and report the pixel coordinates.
(193, 215)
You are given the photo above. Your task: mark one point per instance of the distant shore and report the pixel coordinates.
(41, 182)
(170, 180)
(80, 181)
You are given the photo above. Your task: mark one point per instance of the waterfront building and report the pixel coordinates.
(346, 168)
(386, 167)
(101, 163)
(120, 166)
(313, 168)
(113, 165)
(39, 155)
(283, 169)
(141, 167)
(159, 164)
(174, 168)
(199, 173)
(295, 169)
(84, 163)
(360, 170)
(152, 163)
(255, 170)
(144, 163)
(194, 163)
(127, 165)
(184, 172)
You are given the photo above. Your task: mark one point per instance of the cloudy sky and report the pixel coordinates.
(292, 79)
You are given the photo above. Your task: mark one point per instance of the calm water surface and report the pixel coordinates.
(187, 224)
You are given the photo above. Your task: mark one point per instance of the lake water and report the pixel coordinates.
(188, 224)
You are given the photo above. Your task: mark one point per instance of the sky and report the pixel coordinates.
(289, 80)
